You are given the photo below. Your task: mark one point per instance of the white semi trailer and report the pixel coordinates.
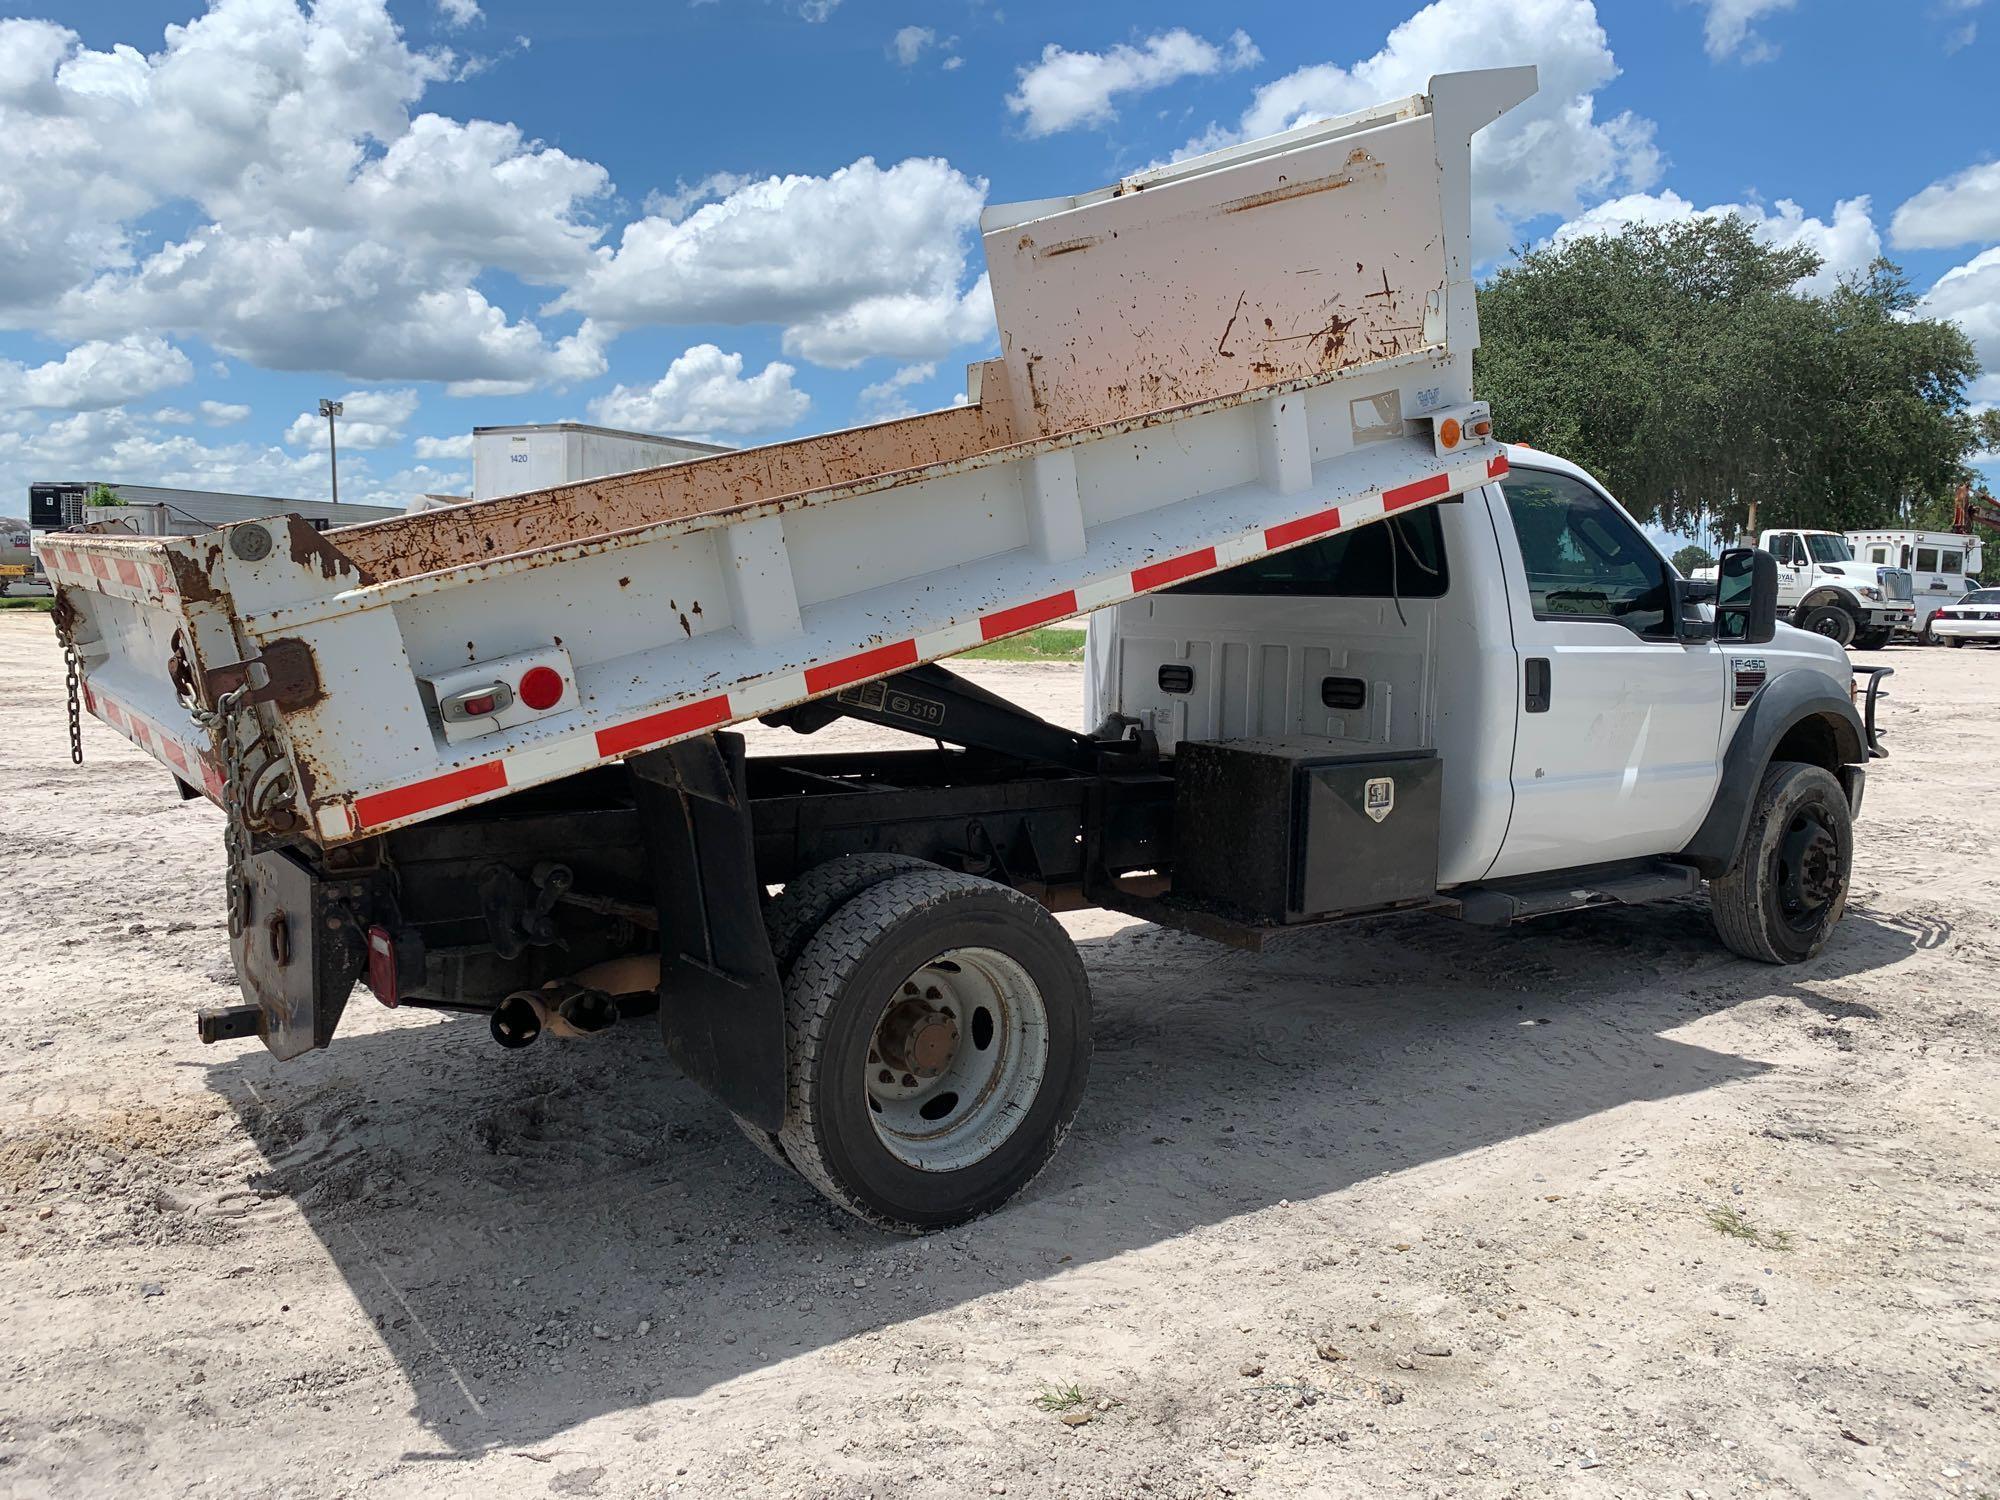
(481, 758)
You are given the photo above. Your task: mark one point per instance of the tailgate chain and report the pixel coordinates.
(63, 616)
(235, 817)
(75, 714)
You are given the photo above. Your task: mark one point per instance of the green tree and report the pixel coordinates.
(1691, 557)
(1680, 365)
(103, 494)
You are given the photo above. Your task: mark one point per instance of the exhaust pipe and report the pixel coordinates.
(582, 1006)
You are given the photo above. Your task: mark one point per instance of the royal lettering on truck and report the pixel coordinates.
(1349, 654)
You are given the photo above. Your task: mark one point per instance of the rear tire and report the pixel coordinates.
(1780, 900)
(1954, 640)
(802, 906)
(1831, 621)
(940, 1039)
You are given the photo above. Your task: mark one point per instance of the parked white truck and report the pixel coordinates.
(1824, 589)
(480, 758)
(1942, 566)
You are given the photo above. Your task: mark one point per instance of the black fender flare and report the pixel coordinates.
(1780, 705)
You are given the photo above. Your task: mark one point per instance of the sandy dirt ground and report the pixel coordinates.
(1586, 1208)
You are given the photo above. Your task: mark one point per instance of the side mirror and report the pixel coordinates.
(1683, 594)
(1746, 597)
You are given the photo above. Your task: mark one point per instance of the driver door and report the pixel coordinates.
(1618, 722)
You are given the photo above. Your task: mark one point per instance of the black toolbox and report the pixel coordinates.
(1292, 830)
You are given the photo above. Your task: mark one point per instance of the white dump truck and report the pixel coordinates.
(481, 759)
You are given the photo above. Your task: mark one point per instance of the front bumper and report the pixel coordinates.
(1892, 616)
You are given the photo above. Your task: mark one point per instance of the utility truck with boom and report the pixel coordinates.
(481, 758)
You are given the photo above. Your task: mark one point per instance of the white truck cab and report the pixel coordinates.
(1942, 566)
(1826, 589)
(1571, 684)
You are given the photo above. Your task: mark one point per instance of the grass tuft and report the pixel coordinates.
(1728, 1221)
(1035, 645)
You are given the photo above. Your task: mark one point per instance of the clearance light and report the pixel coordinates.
(1449, 433)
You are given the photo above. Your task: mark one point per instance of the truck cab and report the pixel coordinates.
(1574, 688)
(1828, 591)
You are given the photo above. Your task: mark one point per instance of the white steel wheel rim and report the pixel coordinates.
(953, 1096)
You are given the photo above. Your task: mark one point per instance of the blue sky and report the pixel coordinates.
(746, 219)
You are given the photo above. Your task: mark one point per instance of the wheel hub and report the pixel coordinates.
(1808, 869)
(917, 1038)
(956, 1059)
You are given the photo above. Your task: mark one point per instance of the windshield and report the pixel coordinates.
(1982, 596)
(1826, 547)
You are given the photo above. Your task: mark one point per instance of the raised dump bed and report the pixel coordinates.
(1206, 362)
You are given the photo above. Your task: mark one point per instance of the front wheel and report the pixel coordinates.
(939, 1031)
(1780, 900)
(1831, 621)
(1872, 640)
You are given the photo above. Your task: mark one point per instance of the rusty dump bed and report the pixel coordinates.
(1203, 363)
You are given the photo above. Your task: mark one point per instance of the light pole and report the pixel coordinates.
(330, 410)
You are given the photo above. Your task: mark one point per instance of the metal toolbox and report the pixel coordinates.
(1290, 830)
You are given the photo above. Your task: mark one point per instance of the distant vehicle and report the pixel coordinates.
(1823, 589)
(1942, 566)
(1975, 617)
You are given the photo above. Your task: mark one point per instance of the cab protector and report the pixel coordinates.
(1779, 707)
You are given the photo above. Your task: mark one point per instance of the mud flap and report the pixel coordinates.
(722, 1003)
(299, 953)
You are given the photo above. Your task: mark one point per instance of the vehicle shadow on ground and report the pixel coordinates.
(509, 1220)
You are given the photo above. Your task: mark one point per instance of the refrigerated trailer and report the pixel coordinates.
(482, 758)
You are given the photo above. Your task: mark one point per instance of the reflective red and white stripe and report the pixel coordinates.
(194, 765)
(104, 571)
(374, 811)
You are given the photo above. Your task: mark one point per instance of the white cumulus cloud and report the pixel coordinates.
(1970, 296)
(95, 375)
(457, 13)
(1728, 29)
(1956, 210)
(368, 419)
(911, 43)
(705, 391)
(1846, 242)
(1065, 89)
(223, 413)
(866, 260)
(890, 397)
(331, 224)
(1549, 155)
(459, 447)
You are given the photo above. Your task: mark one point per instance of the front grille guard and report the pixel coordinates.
(1867, 696)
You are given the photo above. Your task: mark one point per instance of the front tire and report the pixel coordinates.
(1872, 640)
(1780, 900)
(1831, 621)
(940, 1039)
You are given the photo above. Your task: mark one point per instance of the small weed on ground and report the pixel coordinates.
(1060, 1398)
(1728, 1221)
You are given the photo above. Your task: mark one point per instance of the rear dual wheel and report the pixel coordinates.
(939, 1039)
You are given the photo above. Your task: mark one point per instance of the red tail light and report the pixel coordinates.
(541, 687)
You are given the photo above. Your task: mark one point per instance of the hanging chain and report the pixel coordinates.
(236, 817)
(75, 713)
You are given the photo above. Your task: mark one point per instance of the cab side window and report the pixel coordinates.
(1787, 548)
(1584, 559)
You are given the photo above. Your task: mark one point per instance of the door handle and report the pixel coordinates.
(1538, 685)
